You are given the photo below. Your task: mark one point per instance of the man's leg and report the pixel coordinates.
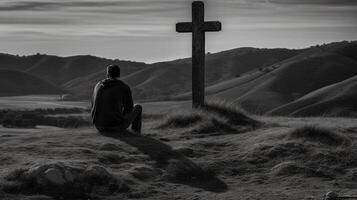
(134, 118)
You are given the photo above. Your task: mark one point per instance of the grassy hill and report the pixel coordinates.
(60, 70)
(291, 81)
(13, 83)
(338, 99)
(259, 80)
(297, 77)
(275, 86)
(162, 81)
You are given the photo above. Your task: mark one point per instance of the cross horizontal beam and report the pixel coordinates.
(213, 26)
(209, 26)
(184, 27)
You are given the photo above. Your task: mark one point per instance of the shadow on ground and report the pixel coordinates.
(178, 168)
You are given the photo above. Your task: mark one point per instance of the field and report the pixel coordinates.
(52, 101)
(209, 154)
(38, 101)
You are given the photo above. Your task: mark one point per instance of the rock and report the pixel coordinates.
(64, 181)
(34, 171)
(54, 176)
(331, 196)
(97, 171)
(47, 174)
(69, 175)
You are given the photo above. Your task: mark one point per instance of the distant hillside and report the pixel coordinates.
(282, 83)
(339, 99)
(273, 81)
(167, 79)
(60, 70)
(293, 79)
(14, 83)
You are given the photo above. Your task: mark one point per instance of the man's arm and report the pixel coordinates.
(128, 101)
(95, 90)
(93, 99)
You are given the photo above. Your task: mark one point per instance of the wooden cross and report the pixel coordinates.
(198, 27)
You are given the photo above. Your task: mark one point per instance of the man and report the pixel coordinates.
(112, 104)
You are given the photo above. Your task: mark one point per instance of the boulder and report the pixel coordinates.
(331, 196)
(61, 180)
(97, 171)
(54, 176)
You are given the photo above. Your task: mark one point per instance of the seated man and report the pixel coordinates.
(112, 104)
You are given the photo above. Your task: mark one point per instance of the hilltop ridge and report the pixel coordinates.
(258, 80)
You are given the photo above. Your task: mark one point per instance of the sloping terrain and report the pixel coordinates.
(19, 63)
(292, 79)
(161, 81)
(13, 83)
(78, 74)
(60, 70)
(334, 100)
(259, 80)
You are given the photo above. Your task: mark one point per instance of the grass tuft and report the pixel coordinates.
(213, 125)
(232, 113)
(215, 116)
(181, 120)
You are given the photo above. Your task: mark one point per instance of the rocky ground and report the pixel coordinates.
(183, 156)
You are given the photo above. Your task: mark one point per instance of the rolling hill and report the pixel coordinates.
(14, 83)
(162, 81)
(262, 81)
(60, 70)
(291, 81)
(338, 99)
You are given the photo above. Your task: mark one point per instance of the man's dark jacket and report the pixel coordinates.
(112, 99)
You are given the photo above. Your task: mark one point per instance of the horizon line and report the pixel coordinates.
(173, 59)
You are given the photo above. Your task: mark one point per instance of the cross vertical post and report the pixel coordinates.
(198, 27)
(198, 55)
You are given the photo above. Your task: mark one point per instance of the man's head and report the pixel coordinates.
(113, 71)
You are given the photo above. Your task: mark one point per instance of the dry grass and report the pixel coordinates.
(215, 116)
(318, 134)
(311, 151)
(181, 120)
(214, 125)
(234, 114)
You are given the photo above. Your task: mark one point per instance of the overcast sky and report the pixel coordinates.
(144, 30)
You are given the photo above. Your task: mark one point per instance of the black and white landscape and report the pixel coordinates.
(278, 123)
(315, 81)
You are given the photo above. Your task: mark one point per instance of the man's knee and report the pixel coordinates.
(138, 107)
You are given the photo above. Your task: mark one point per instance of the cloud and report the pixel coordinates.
(17, 20)
(59, 21)
(58, 5)
(315, 2)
